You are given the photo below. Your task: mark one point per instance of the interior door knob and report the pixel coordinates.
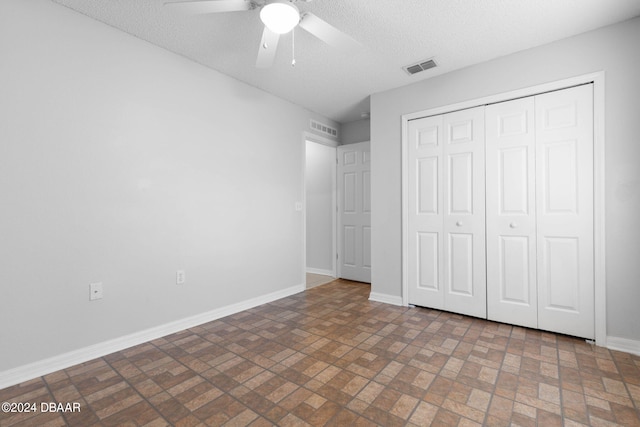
(459, 223)
(513, 225)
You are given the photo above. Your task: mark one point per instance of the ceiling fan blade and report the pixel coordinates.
(208, 6)
(328, 33)
(267, 49)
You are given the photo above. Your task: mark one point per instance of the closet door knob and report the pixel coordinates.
(459, 223)
(513, 225)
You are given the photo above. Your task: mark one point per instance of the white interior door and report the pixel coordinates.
(446, 212)
(564, 175)
(464, 219)
(511, 213)
(426, 213)
(354, 212)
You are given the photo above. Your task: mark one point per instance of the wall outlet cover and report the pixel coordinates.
(95, 291)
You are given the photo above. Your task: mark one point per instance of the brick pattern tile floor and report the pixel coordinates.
(329, 356)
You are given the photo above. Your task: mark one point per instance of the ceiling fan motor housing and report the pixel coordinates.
(280, 16)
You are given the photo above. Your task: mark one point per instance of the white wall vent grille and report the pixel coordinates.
(322, 128)
(420, 66)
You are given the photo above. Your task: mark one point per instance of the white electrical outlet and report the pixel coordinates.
(95, 291)
(180, 277)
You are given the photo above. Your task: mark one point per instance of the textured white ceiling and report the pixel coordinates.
(394, 33)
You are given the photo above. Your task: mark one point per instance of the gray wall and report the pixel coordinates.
(613, 49)
(121, 162)
(320, 175)
(353, 132)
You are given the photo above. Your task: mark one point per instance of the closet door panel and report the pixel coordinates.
(514, 258)
(427, 261)
(464, 217)
(460, 261)
(511, 215)
(425, 230)
(564, 174)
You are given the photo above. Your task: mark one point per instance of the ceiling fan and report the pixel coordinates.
(279, 17)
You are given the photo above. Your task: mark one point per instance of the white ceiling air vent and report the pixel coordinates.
(420, 66)
(322, 128)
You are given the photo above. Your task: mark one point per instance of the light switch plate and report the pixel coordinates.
(180, 277)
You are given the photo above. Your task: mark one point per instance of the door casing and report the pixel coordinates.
(306, 136)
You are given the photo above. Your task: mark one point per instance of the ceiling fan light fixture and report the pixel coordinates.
(280, 16)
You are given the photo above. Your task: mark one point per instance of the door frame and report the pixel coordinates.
(307, 136)
(598, 80)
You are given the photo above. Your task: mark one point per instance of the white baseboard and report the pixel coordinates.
(320, 271)
(623, 344)
(43, 367)
(387, 299)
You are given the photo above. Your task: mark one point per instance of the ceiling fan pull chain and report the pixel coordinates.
(293, 47)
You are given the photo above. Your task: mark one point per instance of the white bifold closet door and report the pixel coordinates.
(512, 293)
(447, 213)
(540, 253)
(564, 194)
